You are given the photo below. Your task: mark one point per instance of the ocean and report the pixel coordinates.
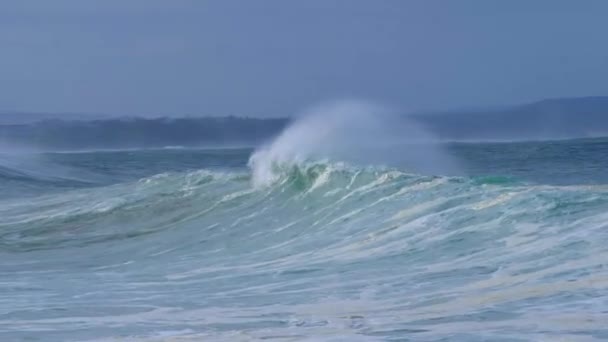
(184, 244)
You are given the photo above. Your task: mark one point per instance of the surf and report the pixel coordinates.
(328, 246)
(355, 132)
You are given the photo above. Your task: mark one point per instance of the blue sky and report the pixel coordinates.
(274, 57)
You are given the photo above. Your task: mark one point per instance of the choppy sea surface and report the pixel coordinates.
(182, 245)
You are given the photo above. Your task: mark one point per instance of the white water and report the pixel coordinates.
(355, 132)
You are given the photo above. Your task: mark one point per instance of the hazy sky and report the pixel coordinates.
(273, 57)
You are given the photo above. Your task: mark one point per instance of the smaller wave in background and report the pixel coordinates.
(33, 173)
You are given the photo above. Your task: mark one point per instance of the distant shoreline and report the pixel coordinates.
(560, 119)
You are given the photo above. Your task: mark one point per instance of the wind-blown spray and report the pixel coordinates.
(354, 132)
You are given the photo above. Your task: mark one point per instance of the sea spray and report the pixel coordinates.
(356, 132)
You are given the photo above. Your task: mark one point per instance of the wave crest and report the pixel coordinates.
(354, 132)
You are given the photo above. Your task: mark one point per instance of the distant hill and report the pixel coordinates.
(548, 119)
(140, 133)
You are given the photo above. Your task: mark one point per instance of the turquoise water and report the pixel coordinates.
(183, 245)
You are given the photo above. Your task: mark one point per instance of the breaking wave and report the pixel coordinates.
(314, 241)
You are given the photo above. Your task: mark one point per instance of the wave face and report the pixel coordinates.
(323, 252)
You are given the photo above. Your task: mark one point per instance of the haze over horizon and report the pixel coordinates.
(273, 58)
